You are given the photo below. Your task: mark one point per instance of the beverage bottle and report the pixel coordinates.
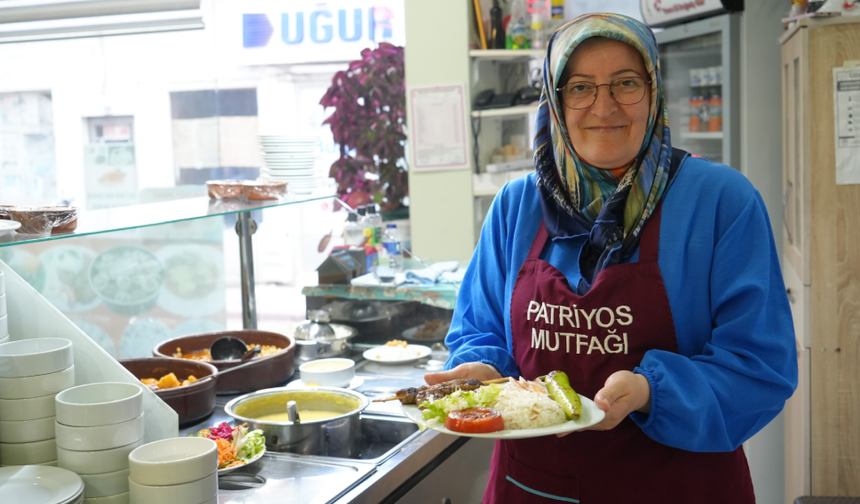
(716, 106)
(537, 27)
(517, 33)
(374, 220)
(353, 233)
(497, 32)
(694, 114)
(557, 10)
(363, 223)
(391, 244)
(704, 114)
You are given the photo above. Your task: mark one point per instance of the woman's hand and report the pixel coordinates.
(623, 393)
(475, 370)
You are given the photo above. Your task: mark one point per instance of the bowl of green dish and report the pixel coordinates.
(127, 278)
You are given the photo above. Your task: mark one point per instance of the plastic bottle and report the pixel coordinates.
(695, 126)
(704, 114)
(557, 9)
(374, 221)
(537, 27)
(716, 106)
(353, 233)
(497, 32)
(391, 244)
(363, 223)
(517, 34)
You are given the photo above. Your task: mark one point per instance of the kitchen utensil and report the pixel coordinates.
(173, 461)
(317, 327)
(227, 348)
(293, 412)
(99, 404)
(33, 357)
(328, 372)
(261, 374)
(100, 437)
(37, 386)
(338, 436)
(201, 490)
(25, 431)
(95, 461)
(317, 338)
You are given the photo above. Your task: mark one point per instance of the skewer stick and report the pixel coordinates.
(497, 380)
(394, 398)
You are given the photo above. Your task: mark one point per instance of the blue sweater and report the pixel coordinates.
(737, 363)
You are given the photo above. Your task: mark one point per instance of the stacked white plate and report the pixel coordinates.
(32, 372)
(290, 159)
(35, 484)
(98, 425)
(174, 471)
(4, 320)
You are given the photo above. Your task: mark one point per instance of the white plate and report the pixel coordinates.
(591, 415)
(8, 226)
(35, 484)
(198, 269)
(356, 382)
(222, 472)
(396, 355)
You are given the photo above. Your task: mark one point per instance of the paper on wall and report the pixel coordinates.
(846, 114)
(438, 127)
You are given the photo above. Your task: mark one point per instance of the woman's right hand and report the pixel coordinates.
(475, 370)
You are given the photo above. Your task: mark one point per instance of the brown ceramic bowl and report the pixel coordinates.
(268, 373)
(192, 402)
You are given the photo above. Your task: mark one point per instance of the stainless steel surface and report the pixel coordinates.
(293, 412)
(245, 227)
(339, 436)
(315, 340)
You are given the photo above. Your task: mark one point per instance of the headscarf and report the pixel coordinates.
(581, 199)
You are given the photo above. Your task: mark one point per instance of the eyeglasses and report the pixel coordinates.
(582, 95)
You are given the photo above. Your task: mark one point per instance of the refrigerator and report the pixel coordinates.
(700, 63)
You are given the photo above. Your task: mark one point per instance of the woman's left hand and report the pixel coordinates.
(623, 393)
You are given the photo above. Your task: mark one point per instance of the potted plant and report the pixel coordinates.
(369, 124)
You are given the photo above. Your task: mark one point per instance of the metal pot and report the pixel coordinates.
(339, 436)
(317, 339)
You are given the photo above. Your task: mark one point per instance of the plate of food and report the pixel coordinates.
(396, 352)
(510, 409)
(237, 447)
(430, 331)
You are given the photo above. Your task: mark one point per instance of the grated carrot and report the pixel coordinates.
(226, 453)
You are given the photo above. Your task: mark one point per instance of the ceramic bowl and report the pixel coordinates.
(2, 304)
(33, 357)
(328, 372)
(52, 463)
(26, 431)
(37, 386)
(113, 499)
(4, 339)
(27, 409)
(98, 461)
(102, 437)
(99, 404)
(196, 491)
(37, 452)
(191, 402)
(265, 374)
(105, 484)
(173, 461)
(4, 326)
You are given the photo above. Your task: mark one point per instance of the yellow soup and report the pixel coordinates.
(327, 366)
(304, 416)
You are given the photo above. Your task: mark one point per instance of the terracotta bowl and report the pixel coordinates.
(268, 373)
(192, 402)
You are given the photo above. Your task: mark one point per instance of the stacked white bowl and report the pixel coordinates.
(174, 471)
(291, 159)
(97, 426)
(4, 320)
(32, 372)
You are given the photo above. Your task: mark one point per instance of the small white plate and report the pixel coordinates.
(8, 226)
(35, 484)
(396, 355)
(591, 415)
(356, 382)
(222, 472)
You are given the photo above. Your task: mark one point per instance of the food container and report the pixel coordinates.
(99, 404)
(173, 461)
(191, 402)
(127, 279)
(328, 372)
(44, 220)
(33, 357)
(266, 373)
(316, 338)
(224, 189)
(339, 436)
(263, 190)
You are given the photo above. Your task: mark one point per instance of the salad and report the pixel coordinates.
(236, 445)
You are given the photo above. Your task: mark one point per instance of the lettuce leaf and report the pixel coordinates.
(461, 399)
(248, 444)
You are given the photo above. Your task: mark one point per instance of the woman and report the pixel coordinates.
(655, 278)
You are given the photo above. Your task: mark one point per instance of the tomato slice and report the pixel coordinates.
(475, 421)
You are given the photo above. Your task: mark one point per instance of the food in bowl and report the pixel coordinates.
(236, 444)
(333, 372)
(167, 381)
(205, 356)
(327, 365)
(128, 276)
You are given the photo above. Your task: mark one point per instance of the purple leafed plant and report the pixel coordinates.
(369, 125)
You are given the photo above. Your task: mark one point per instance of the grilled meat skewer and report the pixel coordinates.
(419, 395)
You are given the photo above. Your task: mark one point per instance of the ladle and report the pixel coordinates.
(293, 412)
(253, 351)
(230, 348)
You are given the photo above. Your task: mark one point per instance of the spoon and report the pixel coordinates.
(228, 348)
(293, 412)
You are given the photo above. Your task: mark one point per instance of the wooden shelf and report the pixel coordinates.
(507, 54)
(702, 135)
(508, 111)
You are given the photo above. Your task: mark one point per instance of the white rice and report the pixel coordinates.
(522, 409)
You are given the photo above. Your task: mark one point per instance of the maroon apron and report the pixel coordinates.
(625, 314)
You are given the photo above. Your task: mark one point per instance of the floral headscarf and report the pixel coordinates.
(588, 200)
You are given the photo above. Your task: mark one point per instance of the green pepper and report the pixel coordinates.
(560, 390)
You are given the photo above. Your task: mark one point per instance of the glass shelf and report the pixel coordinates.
(93, 222)
(507, 54)
(441, 295)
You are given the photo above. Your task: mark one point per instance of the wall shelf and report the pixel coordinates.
(702, 135)
(507, 54)
(507, 111)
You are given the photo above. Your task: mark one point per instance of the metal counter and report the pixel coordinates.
(394, 456)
